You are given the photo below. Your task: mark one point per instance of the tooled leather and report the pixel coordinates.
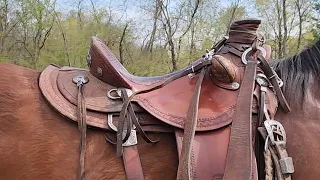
(113, 71)
(109, 73)
(57, 85)
(170, 103)
(49, 89)
(95, 91)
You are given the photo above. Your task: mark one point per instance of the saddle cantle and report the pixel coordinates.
(105, 66)
(163, 109)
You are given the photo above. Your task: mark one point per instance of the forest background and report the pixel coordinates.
(149, 37)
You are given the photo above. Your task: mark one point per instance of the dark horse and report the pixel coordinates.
(38, 143)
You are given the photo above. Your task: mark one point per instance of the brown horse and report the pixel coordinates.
(38, 143)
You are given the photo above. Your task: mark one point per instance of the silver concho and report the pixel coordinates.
(80, 79)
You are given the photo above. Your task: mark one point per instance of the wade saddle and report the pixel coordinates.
(214, 106)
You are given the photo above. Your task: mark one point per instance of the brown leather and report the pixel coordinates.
(56, 84)
(224, 72)
(50, 90)
(189, 131)
(223, 69)
(208, 159)
(132, 163)
(239, 157)
(112, 72)
(272, 77)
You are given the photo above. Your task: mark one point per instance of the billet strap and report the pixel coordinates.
(239, 157)
(272, 76)
(132, 163)
(189, 131)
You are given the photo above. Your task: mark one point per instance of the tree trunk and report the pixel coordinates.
(121, 49)
(156, 15)
(192, 43)
(233, 15)
(285, 29)
(4, 24)
(279, 31)
(79, 14)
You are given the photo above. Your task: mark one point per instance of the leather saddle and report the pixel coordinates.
(163, 109)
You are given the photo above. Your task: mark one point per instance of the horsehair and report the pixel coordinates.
(296, 72)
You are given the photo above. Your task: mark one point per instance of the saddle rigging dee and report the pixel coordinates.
(198, 109)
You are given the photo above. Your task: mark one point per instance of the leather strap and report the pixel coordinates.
(132, 163)
(239, 157)
(189, 131)
(124, 111)
(82, 125)
(272, 77)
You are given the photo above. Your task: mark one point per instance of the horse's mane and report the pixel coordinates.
(296, 72)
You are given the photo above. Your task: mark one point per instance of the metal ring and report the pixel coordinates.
(110, 123)
(111, 96)
(244, 55)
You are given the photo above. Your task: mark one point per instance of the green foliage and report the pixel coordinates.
(316, 27)
(66, 34)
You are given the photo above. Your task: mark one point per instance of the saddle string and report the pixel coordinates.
(273, 77)
(134, 120)
(82, 125)
(189, 131)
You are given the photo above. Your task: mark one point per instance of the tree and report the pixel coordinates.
(36, 24)
(303, 6)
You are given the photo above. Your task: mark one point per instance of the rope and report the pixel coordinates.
(268, 164)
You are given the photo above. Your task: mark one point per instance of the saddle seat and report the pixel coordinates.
(105, 66)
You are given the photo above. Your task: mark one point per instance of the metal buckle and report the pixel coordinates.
(118, 93)
(208, 56)
(132, 140)
(245, 53)
(280, 82)
(276, 132)
(286, 165)
(262, 80)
